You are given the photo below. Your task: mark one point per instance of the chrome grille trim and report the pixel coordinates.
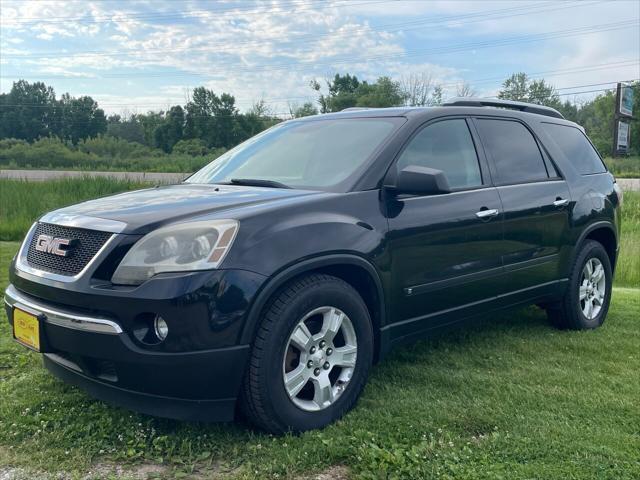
(83, 221)
(50, 278)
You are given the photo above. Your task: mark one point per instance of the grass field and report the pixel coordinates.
(23, 202)
(508, 398)
(628, 167)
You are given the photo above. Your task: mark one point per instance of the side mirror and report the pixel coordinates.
(417, 180)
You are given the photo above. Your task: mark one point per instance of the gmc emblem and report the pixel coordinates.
(56, 246)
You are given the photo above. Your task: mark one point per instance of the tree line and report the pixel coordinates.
(210, 122)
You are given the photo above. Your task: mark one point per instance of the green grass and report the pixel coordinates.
(508, 398)
(628, 266)
(22, 202)
(624, 167)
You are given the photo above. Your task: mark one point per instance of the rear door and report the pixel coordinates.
(536, 202)
(446, 249)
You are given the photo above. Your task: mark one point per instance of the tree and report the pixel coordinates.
(307, 109)
(259, 109)
(129, 129)
(542, 93)
(347, 91)
(28, 111)
(437, 95)
(385, 92)
(343, 93)
(79, 118)
(597, 119)
(417, 89)
(149, 122)
(257, 119)
(212, 118)
(515, 88)
(170, 131)
(568, 110)
(519, 87)
(464, 89)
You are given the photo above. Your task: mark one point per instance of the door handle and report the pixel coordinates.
(561, 202)
(486, 213)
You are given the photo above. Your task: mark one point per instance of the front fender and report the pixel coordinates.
(296, 269)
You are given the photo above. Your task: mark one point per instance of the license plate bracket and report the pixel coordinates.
(27, 327)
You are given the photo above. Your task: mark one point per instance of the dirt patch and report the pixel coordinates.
(138, 472)
(337, 472)
(143, 471)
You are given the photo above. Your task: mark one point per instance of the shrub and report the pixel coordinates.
(194, 147)
(103, 153)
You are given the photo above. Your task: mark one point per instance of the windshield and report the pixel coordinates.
(318, 154)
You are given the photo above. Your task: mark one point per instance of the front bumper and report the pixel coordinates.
(96, 351)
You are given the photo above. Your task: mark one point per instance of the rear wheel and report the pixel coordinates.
(311, 356)
(588, 295)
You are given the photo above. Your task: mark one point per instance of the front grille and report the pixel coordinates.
(86, 245)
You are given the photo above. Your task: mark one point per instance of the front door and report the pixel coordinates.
(446, 250)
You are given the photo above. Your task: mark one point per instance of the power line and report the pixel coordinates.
(421, 22)
(553, 73)
(587, 91)
(578, 31)
(597, 84)
(473, 82)
(33, 105)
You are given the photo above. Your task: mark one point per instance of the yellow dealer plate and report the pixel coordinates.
(26, 329)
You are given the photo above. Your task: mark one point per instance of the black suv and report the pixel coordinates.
(271, 280)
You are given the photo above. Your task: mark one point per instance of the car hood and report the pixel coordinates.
(144, 210)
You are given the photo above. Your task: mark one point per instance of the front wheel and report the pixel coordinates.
(311, 356)
(588, 295)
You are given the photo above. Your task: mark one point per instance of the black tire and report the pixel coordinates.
(264, 399)
(567, 313)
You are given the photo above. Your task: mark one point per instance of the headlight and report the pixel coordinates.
(177, 248)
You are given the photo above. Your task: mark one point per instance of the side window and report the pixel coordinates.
(446, 146)
(575, 146)
(515, 152)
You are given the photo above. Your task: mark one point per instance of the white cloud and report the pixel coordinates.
(271, 50)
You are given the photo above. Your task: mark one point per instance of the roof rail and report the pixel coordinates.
(355, 109)
(494, 102)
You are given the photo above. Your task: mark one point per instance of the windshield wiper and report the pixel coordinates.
(257, 182)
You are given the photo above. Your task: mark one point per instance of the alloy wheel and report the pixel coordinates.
(320, 358)
(593, 284)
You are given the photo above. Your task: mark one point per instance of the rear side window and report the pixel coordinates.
(575, 146)
(515, 152)
(445, 146)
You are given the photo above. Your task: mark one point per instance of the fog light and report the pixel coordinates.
(161, 328)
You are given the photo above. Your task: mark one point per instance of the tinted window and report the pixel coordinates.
(307, 154)
(575, 146)
(445, 146)
(515, 152)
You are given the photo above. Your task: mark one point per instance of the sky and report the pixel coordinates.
(136, 56)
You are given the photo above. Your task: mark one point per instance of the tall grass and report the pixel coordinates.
(22, 202)
(627, 167)
(628, 267)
